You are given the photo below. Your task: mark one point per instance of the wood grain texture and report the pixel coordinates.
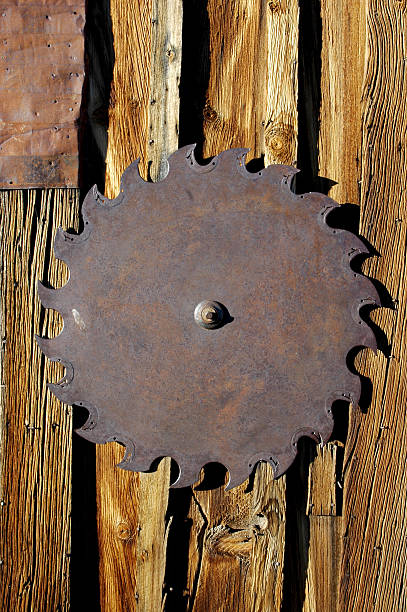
(290, 544)
(132, 534)
(359, 146)
(375, 519)
(132, 528)
(339, 139)
(336, 139)
(325, 550)
(240, 547)
(322, 481)
(35, 484)
(128, 132)
(237, 541)
(252, 93)
(165, 78)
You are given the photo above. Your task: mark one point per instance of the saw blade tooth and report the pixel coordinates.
(133, 464)
(63, 389)
(237, 476)
(353, 389)
(90, 203)
(132, 460)
(47, 296)
(351, 244)
(129, 176)
(276, 174)
(95, 435)
(188, 474)
(190, 156)
(349, 393)
(366, 336)
(280, 462)
(51, 347)
(68, 375)
(61, 244)
(183, 158)
(192, 162)
(64, 392)
(327, 206)
(372, 297)
(64, 241)
(128, 456)
(232, 160)
(318, 203)
(356, 248)
(91, 422)
(51, 298)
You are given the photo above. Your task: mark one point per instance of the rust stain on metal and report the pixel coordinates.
(42, 68)
(141, 271)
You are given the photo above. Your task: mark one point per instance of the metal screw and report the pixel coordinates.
(209, 314)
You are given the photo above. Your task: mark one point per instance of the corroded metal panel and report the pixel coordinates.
(209, 316)
(42, 75)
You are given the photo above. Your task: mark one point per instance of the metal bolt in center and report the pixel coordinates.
(209, 314)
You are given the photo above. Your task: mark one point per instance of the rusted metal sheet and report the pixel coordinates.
(42, 75)
(208, 316)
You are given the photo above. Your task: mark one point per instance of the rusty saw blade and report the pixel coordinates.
(208, 317)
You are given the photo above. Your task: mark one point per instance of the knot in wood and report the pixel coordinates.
(274, 6)
(280, 139)
(209, 113)
(124, 531)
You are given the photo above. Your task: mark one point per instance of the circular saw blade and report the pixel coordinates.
(162, 385)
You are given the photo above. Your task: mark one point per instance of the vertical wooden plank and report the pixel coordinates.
(132, 534)
(374, 565)
(143, 122)
(322, 481)
(252, 91)
(237, 539)
(342, 68)
(325, 552)
(165, 78)
(128, 131)
(338, 144)
(281, 56)
(35, 485)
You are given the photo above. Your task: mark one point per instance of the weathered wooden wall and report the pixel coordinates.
(318, 82)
